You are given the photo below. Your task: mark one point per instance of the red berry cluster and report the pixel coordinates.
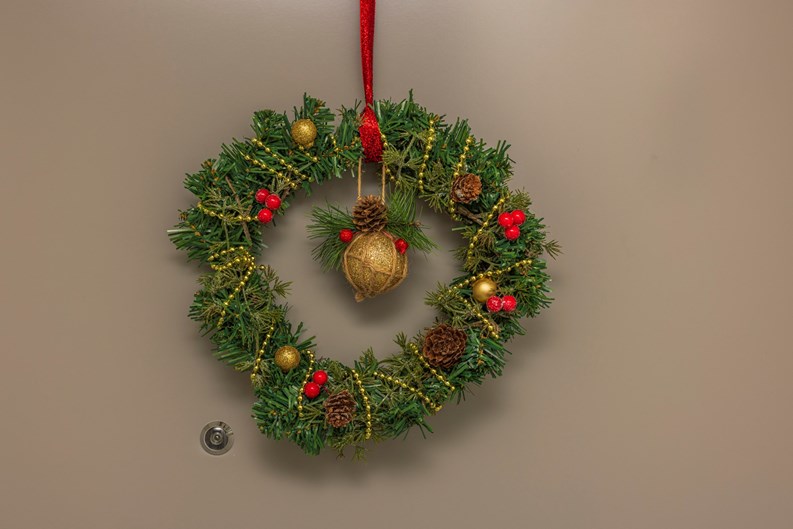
(505, 303)
(271, 203)
(313, 388)
(511, 221)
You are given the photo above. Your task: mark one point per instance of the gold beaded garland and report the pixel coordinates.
(433, 406)
(457, 171)
(287, 357)
(367, 405)
(427, 150)
(257, 364)
(304, 132)
(305, 380)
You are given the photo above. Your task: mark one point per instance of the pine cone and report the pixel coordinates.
(340, 409)
(369, 213)
(444, 345)
(466, 188)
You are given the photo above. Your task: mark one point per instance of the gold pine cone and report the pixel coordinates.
(444, 346)
(369, 214)
(466, 188)
(304, 132)
(340, 409)
(372, 264)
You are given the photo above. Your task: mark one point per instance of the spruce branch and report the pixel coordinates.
(463, 211)
(237, 198)
(326, 224)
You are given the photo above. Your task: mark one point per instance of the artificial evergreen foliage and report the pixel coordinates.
(242, 306)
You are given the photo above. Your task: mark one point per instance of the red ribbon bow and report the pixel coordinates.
(370, 130)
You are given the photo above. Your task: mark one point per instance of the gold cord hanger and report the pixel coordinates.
(382, 179)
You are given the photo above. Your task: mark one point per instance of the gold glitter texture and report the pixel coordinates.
(304, 132)
(287, 357)
(373, 265)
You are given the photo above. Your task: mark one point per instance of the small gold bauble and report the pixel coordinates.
(287, 357)
(372, 264)
(483, 289)
(304, 132)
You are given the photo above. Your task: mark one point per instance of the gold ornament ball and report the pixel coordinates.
(483, 289)
(287, 357)
(372, 264)
(304, 132)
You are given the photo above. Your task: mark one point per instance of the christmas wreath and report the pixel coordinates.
(319, 402)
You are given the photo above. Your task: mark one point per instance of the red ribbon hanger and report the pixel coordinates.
(370, 130)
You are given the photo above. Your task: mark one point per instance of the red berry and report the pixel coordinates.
(272, 201)
(512, 233)
(265, 216)
(311, 390)
(320, 377)
(518, 217)
(505, 220)
(346, 235)
(401, 245)
(261, 195)
(509, 303)
(494, 303)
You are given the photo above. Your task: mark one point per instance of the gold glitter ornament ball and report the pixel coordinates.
(483, 289)
(372, 264)
(304, 132)
(287, 357)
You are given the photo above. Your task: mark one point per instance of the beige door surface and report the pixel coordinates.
(656, 139)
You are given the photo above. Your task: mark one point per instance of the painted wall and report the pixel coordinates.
(655, 138)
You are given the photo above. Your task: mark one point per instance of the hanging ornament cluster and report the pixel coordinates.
(374, 262)
(370, 244)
